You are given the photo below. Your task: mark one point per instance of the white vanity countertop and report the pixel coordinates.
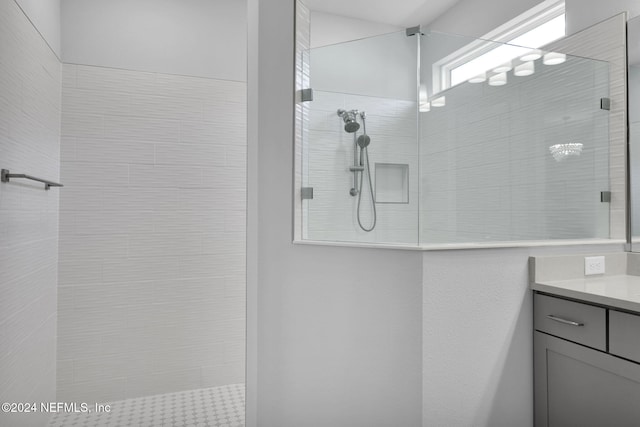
(619, 291)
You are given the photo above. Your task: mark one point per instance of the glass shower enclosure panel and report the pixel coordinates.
(400, 147)
(520, 154)
(359, 152)
(633, 87)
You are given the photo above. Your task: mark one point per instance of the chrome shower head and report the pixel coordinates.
(351, 125)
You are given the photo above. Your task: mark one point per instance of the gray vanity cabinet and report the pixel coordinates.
(581, 385)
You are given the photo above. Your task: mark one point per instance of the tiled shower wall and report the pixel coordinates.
(152, 231)
(488, 174)
(29, 143)
(547, 199)
(328, 153)
(325, 150)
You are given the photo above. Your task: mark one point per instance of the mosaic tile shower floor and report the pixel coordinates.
(209, 407)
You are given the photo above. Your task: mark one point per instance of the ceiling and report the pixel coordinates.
(403, 13)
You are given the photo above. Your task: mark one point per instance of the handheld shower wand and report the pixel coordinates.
(363, 142)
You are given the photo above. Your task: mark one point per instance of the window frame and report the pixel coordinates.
(531, 19)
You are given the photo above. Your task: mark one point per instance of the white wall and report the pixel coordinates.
(151, 286)
(477, 336)
(205, 38)
(475, 18)
(29, 143)
(584, 13)
(45, 16)
(477, 339)
(334, 334)
(382, 66)
(327, 28)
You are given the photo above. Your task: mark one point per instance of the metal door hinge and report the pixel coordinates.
(305, 95)
(605, 104)
(307, 193)
(605, 196)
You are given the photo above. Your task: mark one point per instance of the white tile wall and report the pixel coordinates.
(29, 143)
(328, 153)
(151, 295)
(487, 173)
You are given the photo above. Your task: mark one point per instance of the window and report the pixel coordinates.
(533, 29)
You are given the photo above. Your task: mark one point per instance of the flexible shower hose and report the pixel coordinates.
(373, 201)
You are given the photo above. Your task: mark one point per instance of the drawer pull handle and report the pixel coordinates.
(565, 321)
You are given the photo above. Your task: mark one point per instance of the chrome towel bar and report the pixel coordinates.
(6, 175)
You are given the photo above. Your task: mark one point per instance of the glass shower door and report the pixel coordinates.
(359, 150)
(525, 158)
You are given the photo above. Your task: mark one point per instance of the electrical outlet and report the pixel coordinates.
(593, 265)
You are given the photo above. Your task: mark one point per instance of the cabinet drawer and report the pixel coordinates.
(581, 323)
(624, 335)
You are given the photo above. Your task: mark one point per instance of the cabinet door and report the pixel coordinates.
(582, 387)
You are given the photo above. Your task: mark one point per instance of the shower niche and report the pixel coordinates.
(391, 183)
(516, 154)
